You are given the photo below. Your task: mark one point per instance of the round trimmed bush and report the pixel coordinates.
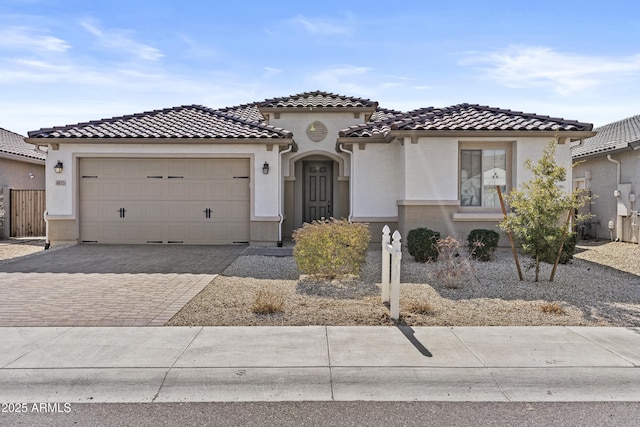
(482, 243)
(423, 244)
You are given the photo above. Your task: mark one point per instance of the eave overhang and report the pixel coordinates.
(632, 146)
(162, 141)
(19, 158)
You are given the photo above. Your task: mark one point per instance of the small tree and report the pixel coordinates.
(538, 209)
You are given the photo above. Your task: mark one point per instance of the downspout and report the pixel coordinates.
(618, 220)
(280, 201)
(344, 150)
(47, 242)
(618, 167)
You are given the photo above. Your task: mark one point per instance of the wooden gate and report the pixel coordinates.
(27, 211)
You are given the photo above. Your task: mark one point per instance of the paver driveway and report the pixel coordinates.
(107, 285)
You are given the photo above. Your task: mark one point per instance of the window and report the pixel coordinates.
(480, 172)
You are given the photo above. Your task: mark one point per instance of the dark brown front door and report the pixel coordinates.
(317, 190)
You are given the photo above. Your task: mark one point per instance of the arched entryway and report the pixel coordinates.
(316, 188)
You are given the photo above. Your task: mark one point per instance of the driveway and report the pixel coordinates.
(107, 285)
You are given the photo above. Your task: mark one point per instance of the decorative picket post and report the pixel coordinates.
(396, 256)
(385, 263)
(391, 263)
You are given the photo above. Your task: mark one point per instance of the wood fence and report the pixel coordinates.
(27, 211)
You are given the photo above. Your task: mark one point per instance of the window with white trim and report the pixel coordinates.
(481, 170)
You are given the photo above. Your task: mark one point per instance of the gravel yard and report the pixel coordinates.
(601, 287)
(17, 248)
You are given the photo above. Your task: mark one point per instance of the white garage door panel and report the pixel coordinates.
(165, 201)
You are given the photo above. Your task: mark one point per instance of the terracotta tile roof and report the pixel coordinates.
(317, 99)
(383, 114)
(466, 117)
(380, 125)
(246, 120)
(247, 112)
(13, 143)
(613, 136)
(189, 121)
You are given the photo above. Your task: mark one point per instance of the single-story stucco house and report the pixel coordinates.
(608, 165)
(255, 172)
(22, 167)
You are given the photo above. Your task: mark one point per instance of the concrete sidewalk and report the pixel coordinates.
(317, 363)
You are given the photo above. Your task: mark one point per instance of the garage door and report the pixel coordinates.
(191, 201)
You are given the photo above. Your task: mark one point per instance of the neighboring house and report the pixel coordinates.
(21, 168)
(608, 165)
(256, 172)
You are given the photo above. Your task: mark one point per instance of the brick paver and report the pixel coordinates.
(107, 285)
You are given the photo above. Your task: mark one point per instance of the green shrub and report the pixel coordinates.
(482, 243)
(568, 249)
(423, 244)
(331, 248)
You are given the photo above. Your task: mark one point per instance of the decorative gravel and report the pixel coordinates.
(18, 248)
(601, 287)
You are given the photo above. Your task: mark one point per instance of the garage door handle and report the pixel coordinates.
(122, 211)
(207, 213)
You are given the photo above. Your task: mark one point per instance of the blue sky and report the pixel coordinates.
(68, 61)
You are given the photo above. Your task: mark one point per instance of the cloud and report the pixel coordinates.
(533, 66)
(345, 78)
(196, 49)
(319, 27)
(271, 72)
(121, 41)
(25, 38)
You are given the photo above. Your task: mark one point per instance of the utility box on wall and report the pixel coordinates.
(622, 199)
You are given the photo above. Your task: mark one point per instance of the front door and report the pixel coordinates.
(317, 190)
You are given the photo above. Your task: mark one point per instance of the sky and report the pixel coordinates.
(70, 61)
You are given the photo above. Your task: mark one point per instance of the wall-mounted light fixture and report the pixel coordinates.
(265, 168)
(31, 175)
(58, 167)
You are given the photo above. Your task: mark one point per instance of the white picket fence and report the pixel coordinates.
(391, 257)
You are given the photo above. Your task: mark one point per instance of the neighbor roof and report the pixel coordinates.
(13, 144)
(611, 137)
(188, 121)
(465, 117)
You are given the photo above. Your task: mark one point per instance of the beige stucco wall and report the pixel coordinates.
(600, 176)
(442, 219)
(377, 180)
(431, 183)
(261, 233)
(431, 169)
(63, 231)
(410, 182)
(15, 175)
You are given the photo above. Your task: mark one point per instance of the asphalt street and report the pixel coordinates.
(285, 414)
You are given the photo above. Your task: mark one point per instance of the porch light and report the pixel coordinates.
(265, 168)
(58, 167)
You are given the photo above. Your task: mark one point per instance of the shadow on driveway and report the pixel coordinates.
(129, 259)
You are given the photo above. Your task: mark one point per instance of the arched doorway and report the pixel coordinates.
(316, 187)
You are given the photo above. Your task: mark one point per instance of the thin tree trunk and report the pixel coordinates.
(537, 267)
(564, 239)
